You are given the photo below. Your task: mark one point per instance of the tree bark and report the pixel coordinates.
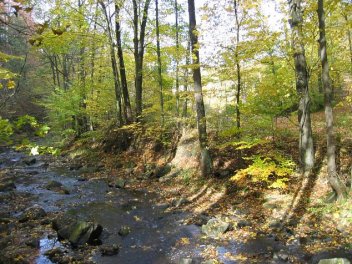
(124, 87)
(337, 185)
(139, 52)
(177, 61)
(306, 148)
(238, 66)
(206, 161)
(160, 78)
(113, 66)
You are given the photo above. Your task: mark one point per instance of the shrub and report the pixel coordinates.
(272, 170)
(6, 131)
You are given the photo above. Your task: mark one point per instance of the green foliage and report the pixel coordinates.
(273, 170)
(23, 122)
(6, 131)
(35, 149)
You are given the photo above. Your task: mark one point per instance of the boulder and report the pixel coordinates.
(33, 213)
(334, 261)
(81, 232)
(215, 227)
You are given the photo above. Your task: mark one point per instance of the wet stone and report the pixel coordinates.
(124, 231)
(81, 232)
(30, 161)
(109, 250)
(33, 213)
(33, 242)
(56, 186)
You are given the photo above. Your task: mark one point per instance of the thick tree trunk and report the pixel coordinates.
(124, 87)
(139, 52)
(160, 78)
(206, 161)
(306, 148)
(334, 180)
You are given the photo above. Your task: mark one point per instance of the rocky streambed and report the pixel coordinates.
(51, 214)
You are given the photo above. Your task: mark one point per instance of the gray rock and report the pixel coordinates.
(33, 213)
(109, 250)
(334, 261)
(215, 227)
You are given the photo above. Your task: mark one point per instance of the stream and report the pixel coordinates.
(155, 234)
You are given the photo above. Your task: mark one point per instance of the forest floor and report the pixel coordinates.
(167, 207)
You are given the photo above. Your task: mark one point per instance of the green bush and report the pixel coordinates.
(6, 131)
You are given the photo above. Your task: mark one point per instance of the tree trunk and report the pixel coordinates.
(206, 161)
(139, 52)
(238, 66)
(306, 148)
(160, 78)
(113, 66)
(188, 59)
(126, 97)
(177, 63)
(334, 180)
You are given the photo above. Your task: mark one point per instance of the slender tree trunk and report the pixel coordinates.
(139, 52)
(124, 86)
(334, 180)
(306, 148)
(177, 61)
(113, 66)
(160, 78)
(238, 66)
(65, 72)
(206, 161)
(57, 71)
(349, 40)
(188, 62)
